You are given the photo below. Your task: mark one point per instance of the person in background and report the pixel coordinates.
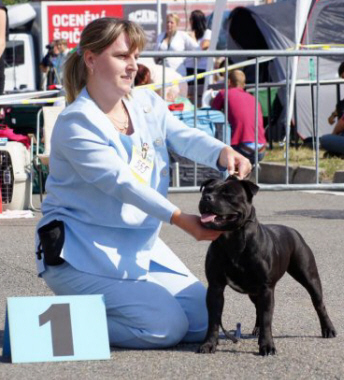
(175, 40)
(202, 35)
(339, 111)
(107, 195)
(220, 63)
(179, 88)
(174, 100)
(242, 117)
(61, 58)
(143, 75)
(3, 38)
(48, 65)
(333, 143)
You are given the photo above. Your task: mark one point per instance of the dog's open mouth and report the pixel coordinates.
(207, 218)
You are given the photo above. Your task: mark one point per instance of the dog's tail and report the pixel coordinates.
(228, 335)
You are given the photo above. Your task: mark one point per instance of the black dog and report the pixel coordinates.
(251, 258)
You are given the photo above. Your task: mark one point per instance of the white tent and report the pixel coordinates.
(285, 25)
(302, 12)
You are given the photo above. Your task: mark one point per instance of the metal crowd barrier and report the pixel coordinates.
(257, 55)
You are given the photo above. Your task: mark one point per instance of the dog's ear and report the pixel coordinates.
(206, 183)
(250, 188)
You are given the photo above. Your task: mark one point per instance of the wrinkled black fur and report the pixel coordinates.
(251, 258)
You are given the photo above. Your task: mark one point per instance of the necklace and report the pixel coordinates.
(121, 125)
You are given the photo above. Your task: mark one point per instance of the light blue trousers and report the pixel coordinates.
(162, 311)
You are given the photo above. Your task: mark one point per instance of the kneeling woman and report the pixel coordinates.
(106, 195)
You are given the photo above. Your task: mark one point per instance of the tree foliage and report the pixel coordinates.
(12, 2)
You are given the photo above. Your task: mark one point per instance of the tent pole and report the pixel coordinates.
(287, 127)
(302, 12)
(269, 119)
(158, 12)
(317, 126)
(220, 6)
(256, 122)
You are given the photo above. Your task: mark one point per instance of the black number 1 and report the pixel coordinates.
(61, 328)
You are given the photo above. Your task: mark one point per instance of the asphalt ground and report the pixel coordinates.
(301, 352)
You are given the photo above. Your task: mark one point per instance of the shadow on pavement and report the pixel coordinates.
(318, 214)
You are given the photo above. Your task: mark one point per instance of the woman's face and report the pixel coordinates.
(171, 25)
(113, 71)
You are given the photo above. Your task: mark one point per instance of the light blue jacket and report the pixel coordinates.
(112, 221)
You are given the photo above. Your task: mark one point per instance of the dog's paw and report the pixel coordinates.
(207, 348)
(329, 332)
(267, 349)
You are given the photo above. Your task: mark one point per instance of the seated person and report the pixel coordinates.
(338, 112)
(241, 116)
(143, 75)
(334, 143)
(175, 100)
(170, 75)
(220, 63)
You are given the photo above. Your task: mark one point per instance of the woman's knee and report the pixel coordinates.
(195, 309)
(157, 330)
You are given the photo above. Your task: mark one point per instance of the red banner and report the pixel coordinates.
(67, 22)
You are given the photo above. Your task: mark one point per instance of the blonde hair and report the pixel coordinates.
(96, 37)
(174, 16)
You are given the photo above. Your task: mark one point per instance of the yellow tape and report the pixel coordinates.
(316, 46)
(156, 86)
(42, 101)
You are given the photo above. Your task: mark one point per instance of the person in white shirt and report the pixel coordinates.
(202, 35)
(175, 40)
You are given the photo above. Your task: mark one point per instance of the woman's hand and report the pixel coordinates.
(332, 118)
(191, 224)
(234, 162)
(339, 127)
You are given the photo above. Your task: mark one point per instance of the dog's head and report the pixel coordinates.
(226, 204)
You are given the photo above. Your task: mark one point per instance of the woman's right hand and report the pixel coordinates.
(191, 224)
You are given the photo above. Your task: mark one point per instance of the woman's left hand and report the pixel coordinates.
(234, 162)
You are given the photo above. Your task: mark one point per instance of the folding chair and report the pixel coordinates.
(50, 115)
(212, 122)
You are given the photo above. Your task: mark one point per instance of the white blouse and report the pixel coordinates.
(202, 62)
(181, 41)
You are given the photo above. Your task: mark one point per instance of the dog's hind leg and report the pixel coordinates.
(303, 269)
(255, 330)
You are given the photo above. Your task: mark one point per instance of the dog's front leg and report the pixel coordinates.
(215, 302)
(265, 304)
(255, 331)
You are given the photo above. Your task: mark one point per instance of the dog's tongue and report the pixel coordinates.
(206, 218)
